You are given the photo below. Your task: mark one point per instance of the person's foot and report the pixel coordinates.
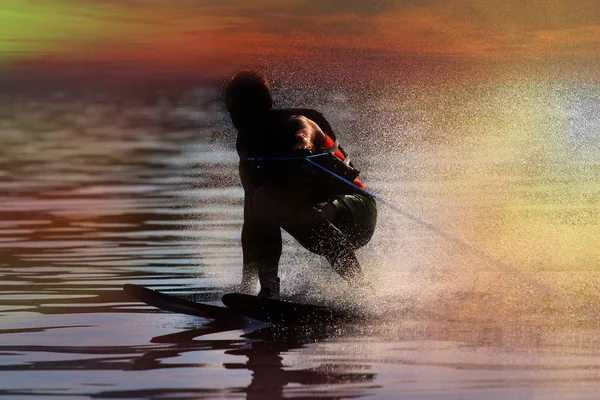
(270, 289)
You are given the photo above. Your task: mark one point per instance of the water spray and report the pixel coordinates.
(445, 235)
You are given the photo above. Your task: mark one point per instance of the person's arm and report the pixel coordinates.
(307, 137)
(318, 119)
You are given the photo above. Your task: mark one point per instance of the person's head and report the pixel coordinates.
(248, 94)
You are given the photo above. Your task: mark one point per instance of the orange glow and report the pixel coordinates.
(379, 40)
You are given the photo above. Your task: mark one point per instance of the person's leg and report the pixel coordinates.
(316, 228)
(335, 229)
(265, 239)
(326, 228)
(339, 252)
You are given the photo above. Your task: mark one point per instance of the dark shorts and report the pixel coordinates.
(357, 216)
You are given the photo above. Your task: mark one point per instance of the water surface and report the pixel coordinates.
(485, 268)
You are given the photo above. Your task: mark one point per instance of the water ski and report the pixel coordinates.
(180, 305)
(241, 307)
(276, 311)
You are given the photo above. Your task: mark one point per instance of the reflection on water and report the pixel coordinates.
(100, 191)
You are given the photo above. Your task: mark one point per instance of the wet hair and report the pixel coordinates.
(248, 91)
